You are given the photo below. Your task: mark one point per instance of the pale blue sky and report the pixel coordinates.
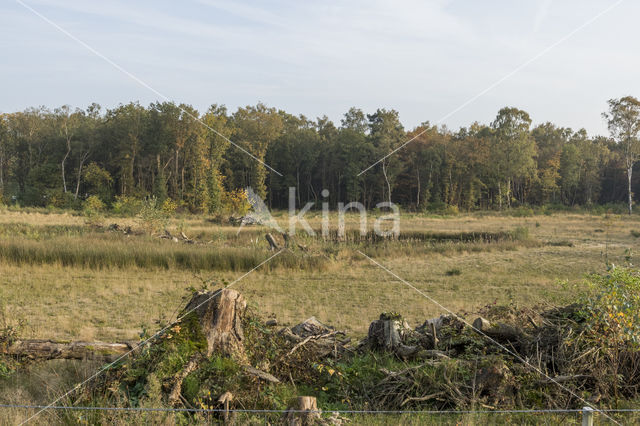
(423, 58)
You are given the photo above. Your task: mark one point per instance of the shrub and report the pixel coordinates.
(451, 210)
(62, 200)
(152, 217)
(236, 202)
(522, 212)
(520, 233)
(93, 205)
(98, 181)
(169, 206)
(612, 306)
(127, 206)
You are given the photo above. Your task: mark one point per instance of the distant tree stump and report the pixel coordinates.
(220, 314)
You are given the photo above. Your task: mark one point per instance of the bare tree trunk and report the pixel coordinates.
(66, 155)
(629, 172)
(82, 160)
(386, 179)
(182, 183)
(175, 176)
(418, 195)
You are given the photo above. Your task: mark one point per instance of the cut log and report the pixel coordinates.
(50, 349)
(220, 314)
(481, 324)
(499, 331)
(272, 242)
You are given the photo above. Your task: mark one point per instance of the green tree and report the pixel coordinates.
(623, 120)
(513, 150)
(216, 118)
(99, 182)
(255, 128)
(387, 133)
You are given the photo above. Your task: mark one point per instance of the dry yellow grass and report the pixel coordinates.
(116, 303)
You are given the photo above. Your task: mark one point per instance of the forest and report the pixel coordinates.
(63, 156)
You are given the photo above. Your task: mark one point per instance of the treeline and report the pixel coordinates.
(60, 157)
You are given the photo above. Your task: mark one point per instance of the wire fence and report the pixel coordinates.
(584, 416)
(267, 411)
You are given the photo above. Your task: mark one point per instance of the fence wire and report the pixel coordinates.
(265, 411)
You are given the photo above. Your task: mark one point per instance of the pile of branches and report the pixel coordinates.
(223, 356)
(507, 357)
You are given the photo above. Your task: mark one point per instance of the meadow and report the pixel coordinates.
(64, 276)
(66, 279)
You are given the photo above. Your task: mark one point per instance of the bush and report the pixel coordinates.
(169, 206)
(235, 203)
(612, 306)
(98, 181)
(127, 206)
(93, 205)
(62, 200)
(451, 210)
(520, 233)
(152, 217)
(522, 212)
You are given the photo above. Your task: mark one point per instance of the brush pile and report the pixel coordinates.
(221, 355)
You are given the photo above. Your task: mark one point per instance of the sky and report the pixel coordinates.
(449, 62)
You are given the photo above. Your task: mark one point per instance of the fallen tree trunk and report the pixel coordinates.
(50, 349)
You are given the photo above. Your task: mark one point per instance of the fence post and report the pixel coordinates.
(587, 416)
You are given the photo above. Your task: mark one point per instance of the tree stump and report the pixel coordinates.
(220, 315)
(387, 333)
(304, 412)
